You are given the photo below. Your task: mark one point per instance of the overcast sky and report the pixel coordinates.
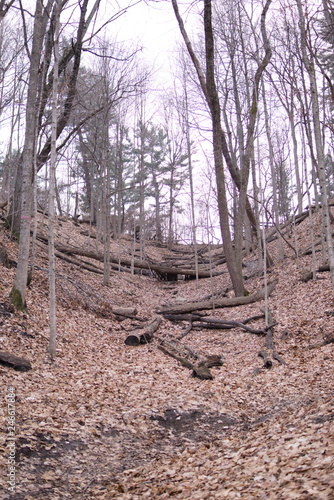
(152, 26)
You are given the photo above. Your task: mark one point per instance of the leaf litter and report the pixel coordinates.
(106, 420)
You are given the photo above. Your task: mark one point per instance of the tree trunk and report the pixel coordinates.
(235, 271)
(191, 181)
(219, 140)
(52, 191)
(18, 293)
(309, 64)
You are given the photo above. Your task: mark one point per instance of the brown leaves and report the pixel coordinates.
(108, 421)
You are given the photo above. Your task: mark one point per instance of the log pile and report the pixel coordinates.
(198, 322)
(164, 271)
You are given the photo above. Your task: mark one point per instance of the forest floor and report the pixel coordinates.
(106, 420)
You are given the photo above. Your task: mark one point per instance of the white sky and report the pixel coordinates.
(153, 27)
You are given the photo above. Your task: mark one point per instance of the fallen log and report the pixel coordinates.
(308, 275)
(308, 250)
(219, 303)
(143, 337)
(77, 262)
(125, 312)
(19, 364)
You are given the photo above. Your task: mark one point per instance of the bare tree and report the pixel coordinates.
(52, 189)
(309, 64)
(5, 7)
(18, 293)
(72, 54)
(220, 145)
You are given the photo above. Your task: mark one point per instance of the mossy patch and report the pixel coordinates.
(17, 300)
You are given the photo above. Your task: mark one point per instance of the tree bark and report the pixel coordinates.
(235, 270)
(220, 146)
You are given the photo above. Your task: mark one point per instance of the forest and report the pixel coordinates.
(166, 252)
(242, 139)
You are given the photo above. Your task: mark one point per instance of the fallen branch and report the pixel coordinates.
(267, 361)
(320, 344)
(188, 358)
(19, 364)
(186, 331)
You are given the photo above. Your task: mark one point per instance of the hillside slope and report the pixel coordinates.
(106, 420)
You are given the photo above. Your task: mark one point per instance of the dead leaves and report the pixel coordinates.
(105, 421)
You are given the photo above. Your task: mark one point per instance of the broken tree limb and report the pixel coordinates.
(186, 331)
(320, 344)
(189, 359)
(19, 364)
(219, 303)
(279, 358)
(265, 356)
(227, 324)
(143, 336)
